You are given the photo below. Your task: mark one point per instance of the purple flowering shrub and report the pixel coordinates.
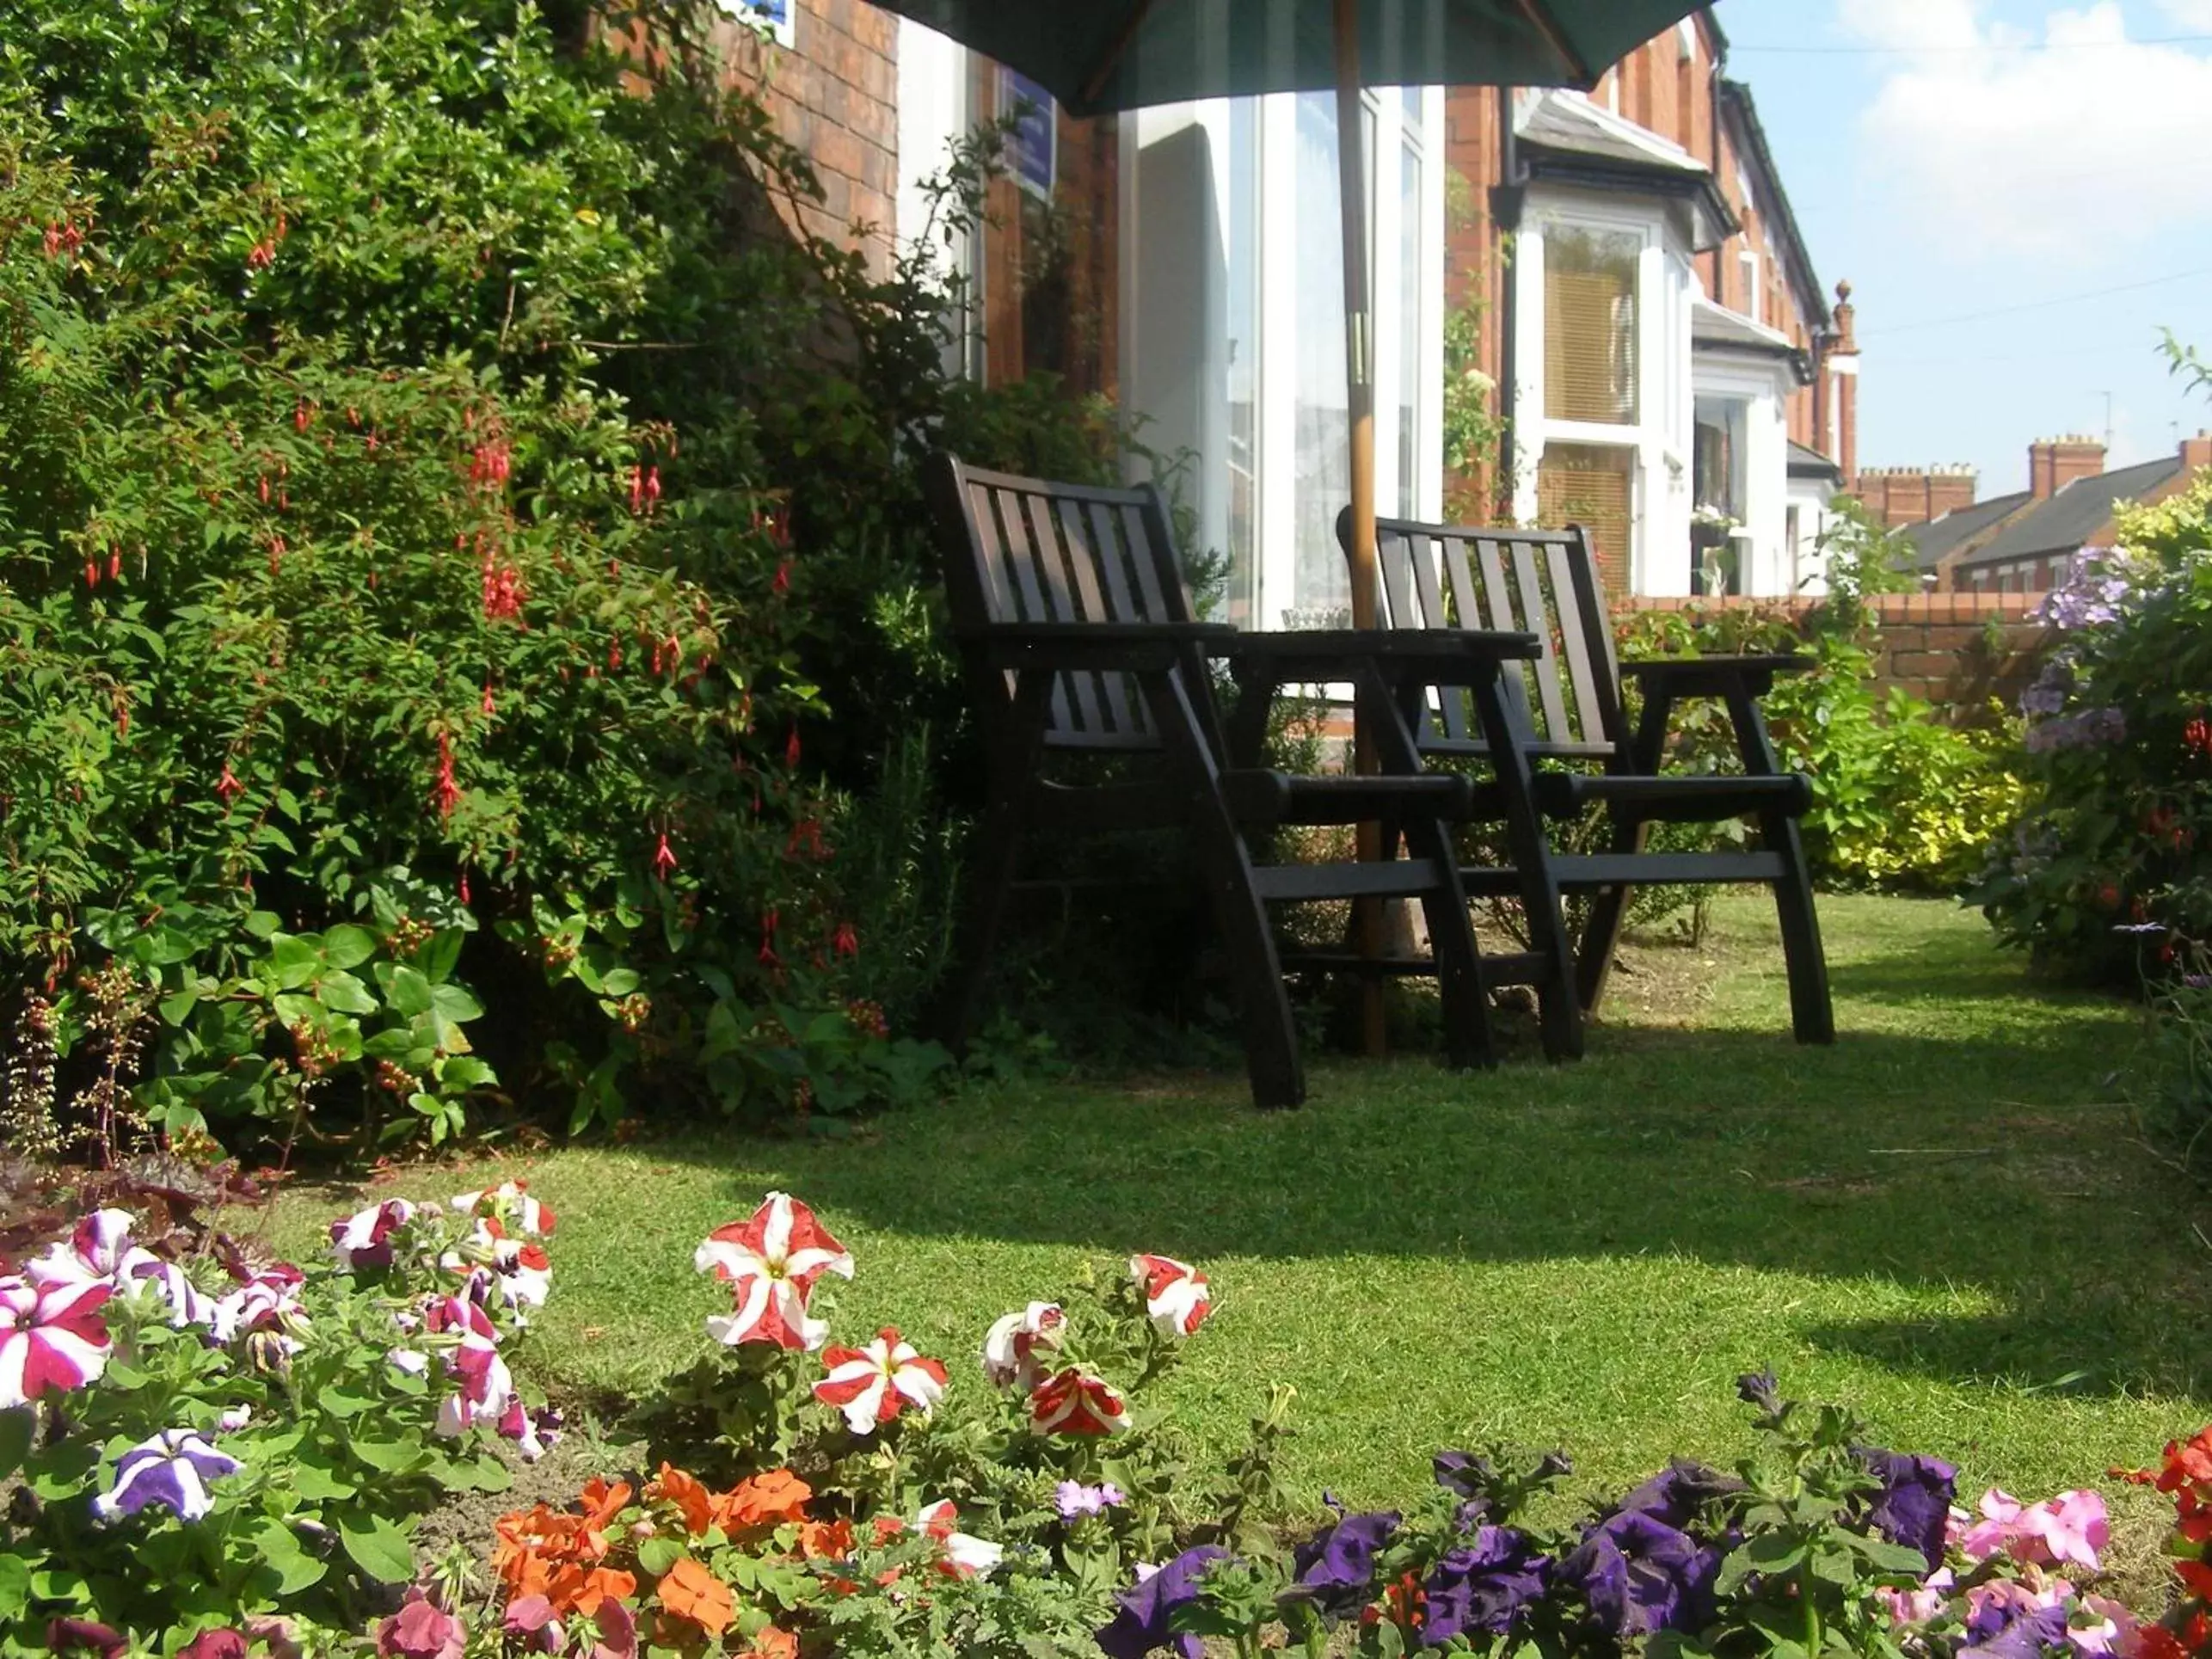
(209, 1446)
(2107, 873)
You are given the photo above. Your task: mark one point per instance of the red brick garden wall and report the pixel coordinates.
(1956, 650)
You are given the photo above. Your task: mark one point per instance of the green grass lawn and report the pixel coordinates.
(1945, 1221)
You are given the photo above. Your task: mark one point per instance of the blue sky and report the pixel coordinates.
(2020, 195)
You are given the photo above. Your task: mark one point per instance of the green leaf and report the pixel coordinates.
(348, 945)
(343, 1403)
(15, 1431)
(658, 1554)
(342, 993)
(378, 1549)
(410, 990)
(176, 1009)
(391, 1457)
(437, 958)
(14, 1586)
(454, 1003)
(315, 1482)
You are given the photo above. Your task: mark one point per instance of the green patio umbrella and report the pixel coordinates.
(1096, 56)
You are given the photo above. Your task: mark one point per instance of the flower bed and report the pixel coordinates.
(216, 1456)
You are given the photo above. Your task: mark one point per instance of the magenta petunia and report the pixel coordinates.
(52, 1337)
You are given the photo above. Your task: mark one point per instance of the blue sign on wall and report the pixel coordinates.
(1032, 149)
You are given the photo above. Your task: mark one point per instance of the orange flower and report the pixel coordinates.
(773, 1643)
(673, 1486)
(825, 1541)
(690, 1591)
(603, 1501)
(763, 1501)
(576, 1589)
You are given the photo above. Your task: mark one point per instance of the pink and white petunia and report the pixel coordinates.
(99, 1251)
(172, 1469)
(266, 1305)
(533, 1430)
(1011, 1346)
(1175, 1294)
(517, 1270)
(965, 1556)
(1076, 1402)
(52, 1337)
(2071, 1527)
(471, 1348)
(771, 1261)
(870, 1383)
(509, 1201)
(363, 1240)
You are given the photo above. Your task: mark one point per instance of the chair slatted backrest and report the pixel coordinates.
(1033, 550)
(1544, 582)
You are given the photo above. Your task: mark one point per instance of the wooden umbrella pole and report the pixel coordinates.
(1360, 385)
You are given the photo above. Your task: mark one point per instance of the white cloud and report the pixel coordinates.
(2077, 155)
(2192, 16)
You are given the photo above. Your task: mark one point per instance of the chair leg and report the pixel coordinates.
(1559, 1008)
(1812, 1012)
(1601, 930)
(1468, 1040)
(975, 935)
(1278, 1076)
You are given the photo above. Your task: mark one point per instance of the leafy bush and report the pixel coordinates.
(2108, 871)
(444, 499)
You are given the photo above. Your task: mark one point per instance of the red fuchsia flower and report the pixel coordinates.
(846, 941)
(1012, 1344)
(228, 786)
(91, 574)
(446, 793)
(783, 583)
(115, 564)
(664, 858)
(489, 707)
(503, 591)
(1175, 1294)
(792, 749)
(2197, 735)
(461, 885)
(1076, 1402)
(870, 1383)
(771, 1261)
(52, 1337)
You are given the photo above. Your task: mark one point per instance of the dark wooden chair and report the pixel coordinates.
(1567, 706)
(1079, 637)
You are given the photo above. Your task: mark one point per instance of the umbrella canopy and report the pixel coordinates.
(1097, 55)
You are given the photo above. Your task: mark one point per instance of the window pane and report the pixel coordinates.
(1589, 324)
(1243, 365)
(1321, 414)
(1591, 485)
(1409, 320)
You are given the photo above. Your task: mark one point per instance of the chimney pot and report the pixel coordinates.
(2196, 454)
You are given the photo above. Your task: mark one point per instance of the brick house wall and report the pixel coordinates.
(834, 96)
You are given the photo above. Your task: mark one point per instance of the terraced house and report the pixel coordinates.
(1599, 306)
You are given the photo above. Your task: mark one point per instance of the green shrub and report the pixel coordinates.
(2108, 871)
(445, 500)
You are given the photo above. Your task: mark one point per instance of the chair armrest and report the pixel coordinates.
(1102, 646)
(1434, 656)
(1713, 676)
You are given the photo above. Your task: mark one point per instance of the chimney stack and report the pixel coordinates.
(1913, 495)
(2196, 454)
(2054, 463)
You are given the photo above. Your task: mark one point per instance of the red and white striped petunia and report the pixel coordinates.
(509, 1201)
(771, 1261)
(1175, 1294)
(1011, 1346)
(870, 1383)
(52, 1336)
(965, 1555)
(1074, 1402)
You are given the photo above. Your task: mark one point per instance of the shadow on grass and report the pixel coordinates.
(1990, 1164)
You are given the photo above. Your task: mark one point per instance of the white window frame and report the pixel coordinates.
(1660, 436)
(1753, 271)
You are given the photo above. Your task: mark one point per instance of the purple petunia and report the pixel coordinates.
(1483, 1588)
(1678, 1492)
(2009, 1621)
(1640, 1575)
(172, 1469)
(1336, 1566)
(1914, 1501)
(1148, 1608)
(1074, 1500)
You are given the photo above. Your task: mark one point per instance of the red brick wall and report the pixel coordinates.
(1955, 650)
(1474, 272)
(835, 95)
